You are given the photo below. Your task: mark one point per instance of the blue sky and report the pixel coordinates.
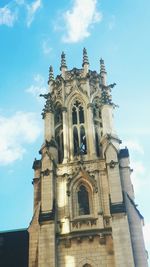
(32, 36)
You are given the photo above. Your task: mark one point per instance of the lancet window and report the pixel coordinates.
(58, 121)
(83, 200)
(97, 143)
(58, 114)
(79, 134)
(97, 123)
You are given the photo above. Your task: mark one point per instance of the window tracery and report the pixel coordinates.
(79, 134)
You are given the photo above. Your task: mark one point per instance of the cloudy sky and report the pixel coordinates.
(32, 36)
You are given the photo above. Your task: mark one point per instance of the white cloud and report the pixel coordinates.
(15, 132)
(142, 131)
(31, 10)
(139, 176)
(38, 87)
(138, 167)
(79, 19)
(134, 146)
(46, 48)
(7, 16)
(9, 13)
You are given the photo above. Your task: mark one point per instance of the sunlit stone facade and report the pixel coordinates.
(84, 209)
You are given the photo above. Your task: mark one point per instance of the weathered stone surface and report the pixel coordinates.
(81, 215)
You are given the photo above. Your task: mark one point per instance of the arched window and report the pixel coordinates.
(83, 200)
(75, 141)
(58, 121)
(82, 141)
(87, 265)
(97, 123)
(59, 140)
(97, 143)
(58, 114)
(79, 134)
(81, 114)
(74, 115)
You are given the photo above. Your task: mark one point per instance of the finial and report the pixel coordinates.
(51, 74)
(103, 73)
(102, 66)
(63, 61)
(85, 57)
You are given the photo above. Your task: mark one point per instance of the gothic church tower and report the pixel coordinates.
(84, 209)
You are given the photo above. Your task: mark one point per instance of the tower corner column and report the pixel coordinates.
(91, 132)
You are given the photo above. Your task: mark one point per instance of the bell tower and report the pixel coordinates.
(84, 209)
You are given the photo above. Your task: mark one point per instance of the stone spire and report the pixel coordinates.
(51, 74)
(103, 73)
(63, 66)
(63, 61)
(85, 57)
(102, 66)
(85, 63)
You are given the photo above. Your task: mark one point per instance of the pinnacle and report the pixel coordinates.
(85, 57)
(102, 66)
(51, 74)
(63, 61)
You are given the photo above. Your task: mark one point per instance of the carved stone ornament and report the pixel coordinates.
(106, 221)
(112, 164)
(74, 74)
(51, 143)
(46, 172)
(91, 238)
(49, 107)
(89, 222)
(90, 178)
(57, 90)
(102, 239)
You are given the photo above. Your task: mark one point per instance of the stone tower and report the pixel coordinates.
(84, 209)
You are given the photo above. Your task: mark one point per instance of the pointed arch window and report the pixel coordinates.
(75, 140)
(97, 123)
(83, 200)
(97, 143)
(79, 134)
(83, 148)
(81, 114)
(59, 140)
(74, 115)
(58, 114)
(58, 122)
